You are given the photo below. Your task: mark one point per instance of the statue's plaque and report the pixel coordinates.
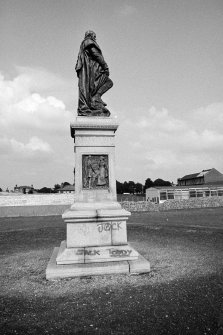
(95, 172)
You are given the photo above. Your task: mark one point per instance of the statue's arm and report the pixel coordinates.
(96, 55)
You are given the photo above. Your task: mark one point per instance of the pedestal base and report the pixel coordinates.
(96, 237)
(56, 272)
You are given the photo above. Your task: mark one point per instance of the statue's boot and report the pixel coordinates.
(97, 97)
(107, 85)
(96, 100)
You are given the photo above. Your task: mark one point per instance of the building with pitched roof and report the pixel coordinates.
(67, 189)
(23, 189)
(209, 176)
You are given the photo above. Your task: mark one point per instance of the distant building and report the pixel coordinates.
(206, 183)
(204, 177)
(66, 189)
(161, 194)
(23, 189)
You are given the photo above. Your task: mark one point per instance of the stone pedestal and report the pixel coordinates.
(96, 237)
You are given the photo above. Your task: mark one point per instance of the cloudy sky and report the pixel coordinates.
(165, 59)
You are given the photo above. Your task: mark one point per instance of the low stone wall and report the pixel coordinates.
(143, 206)
(36, 199)
(191, 203)
(139, 206)
(172, 204)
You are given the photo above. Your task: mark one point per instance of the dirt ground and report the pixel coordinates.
(183, 293)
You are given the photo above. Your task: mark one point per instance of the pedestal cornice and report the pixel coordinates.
(93, 123)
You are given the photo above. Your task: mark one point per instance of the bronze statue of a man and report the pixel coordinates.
(93, 75)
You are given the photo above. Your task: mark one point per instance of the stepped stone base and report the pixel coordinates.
(55, 272)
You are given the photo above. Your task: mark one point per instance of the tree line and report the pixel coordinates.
(55, 189)
(138, 188)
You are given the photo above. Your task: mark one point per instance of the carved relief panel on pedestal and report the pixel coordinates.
(95, 173)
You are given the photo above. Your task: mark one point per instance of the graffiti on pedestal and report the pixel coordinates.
(108, 226)
(93, 252)
(110, 252)
(119, 253)
(95, 172)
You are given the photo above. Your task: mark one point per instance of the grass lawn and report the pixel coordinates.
(181, 295)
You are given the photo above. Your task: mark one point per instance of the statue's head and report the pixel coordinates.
(90, 34)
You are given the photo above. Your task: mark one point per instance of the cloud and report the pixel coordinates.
(34, 146)
(127, 10)
(21, 107)
(210, 116)
(162, 145)
(34, 125)
(47, 83)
